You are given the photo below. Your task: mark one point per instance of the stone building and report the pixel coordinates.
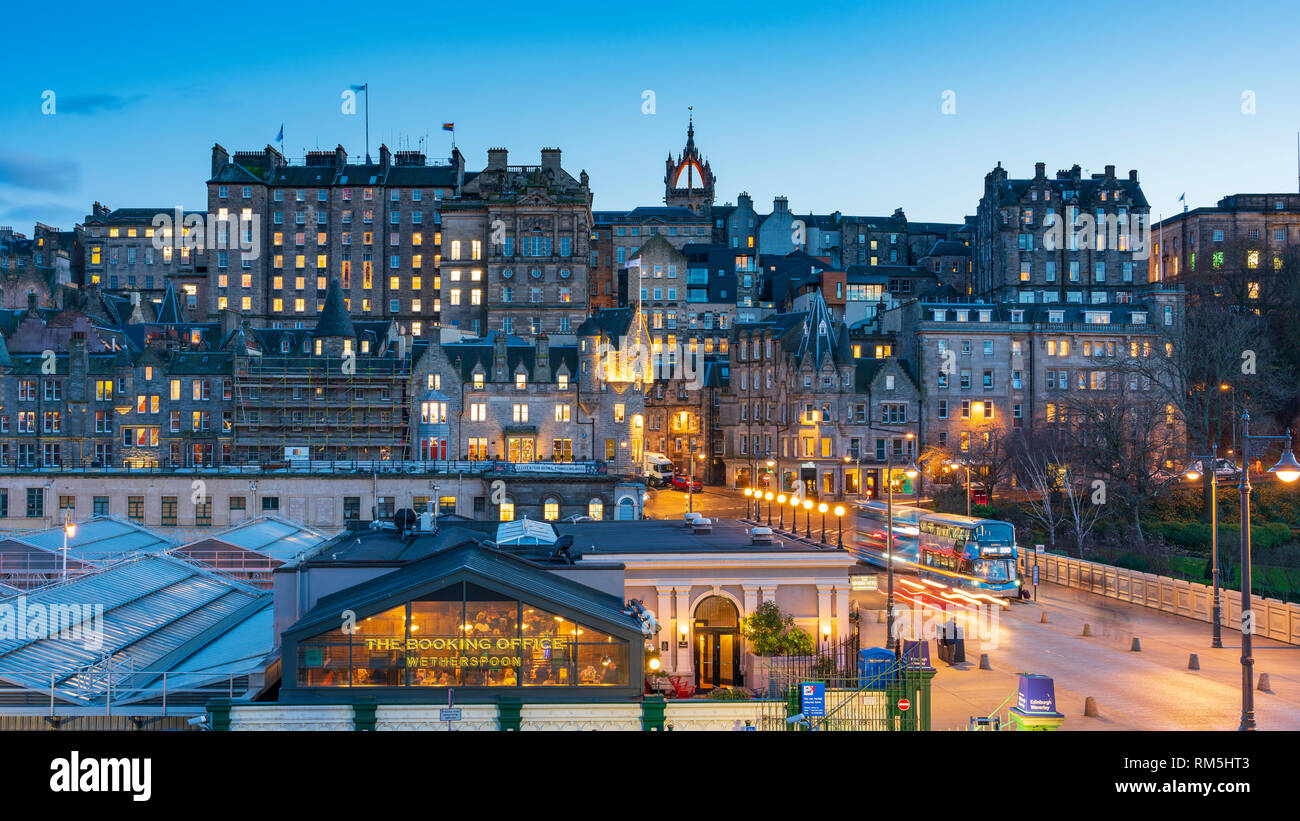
(1243, 249)
(798, 398)
(374, 226)
(121, 255)
(517, 249)
(619, 236)
(511, 399)
(1013, 368)
(1071, 239)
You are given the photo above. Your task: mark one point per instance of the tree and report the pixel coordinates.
(1042, 466)
(1126, 439)
(772, 632)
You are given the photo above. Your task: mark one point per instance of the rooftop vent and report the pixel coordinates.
(690, 518)
(701, 525)
(761, 535)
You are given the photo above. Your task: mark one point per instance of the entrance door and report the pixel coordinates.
(520, 448)
(717, 644)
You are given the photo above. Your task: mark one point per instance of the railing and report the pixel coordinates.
(1274, 619)
(336, 466)
(99, 689)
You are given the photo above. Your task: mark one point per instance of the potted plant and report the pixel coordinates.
(771, 632)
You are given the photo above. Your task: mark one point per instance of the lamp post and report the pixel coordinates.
(1217, 636)
(890, 642)
(839, 517)
(794, 514)
(69, 531)
(769, 496)
(690, 484)
(807, 523)
(1288, 470)
(780, 509)
(822, 508)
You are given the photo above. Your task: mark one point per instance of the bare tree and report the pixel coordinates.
(989, 452)
(1042, 465)
(1127, 439)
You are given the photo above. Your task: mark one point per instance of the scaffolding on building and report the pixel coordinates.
(345, 407)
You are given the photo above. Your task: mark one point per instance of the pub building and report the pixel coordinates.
(540, 611)
(451, 609)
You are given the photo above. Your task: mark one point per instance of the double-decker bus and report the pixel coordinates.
(945, 550)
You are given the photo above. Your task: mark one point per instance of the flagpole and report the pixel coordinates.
(366, 87)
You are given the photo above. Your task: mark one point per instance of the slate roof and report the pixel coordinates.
(468, 560)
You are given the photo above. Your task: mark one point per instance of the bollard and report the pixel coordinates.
(1137, 645)
(1043, 619)
(1087, 629)
(1193, 662)
(984, 662)
(1090, 707)
(1263, 683)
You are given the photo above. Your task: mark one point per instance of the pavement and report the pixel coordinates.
(713, 502)
(1147, 690)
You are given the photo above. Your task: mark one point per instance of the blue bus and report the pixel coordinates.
(966, 553)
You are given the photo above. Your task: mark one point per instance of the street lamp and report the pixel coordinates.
(1193, 474)
(69, 532)
(780, 508)
(794, 514)
(769, 496)
(822, 508)
(1288, 470)
(839, 517)
(690, 484)
(807, 524)
(953, 463)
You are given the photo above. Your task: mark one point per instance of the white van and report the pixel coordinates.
(658, 469)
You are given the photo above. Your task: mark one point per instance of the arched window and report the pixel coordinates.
(507, 510)
(716, 611)
(551, 509)
(596, 509)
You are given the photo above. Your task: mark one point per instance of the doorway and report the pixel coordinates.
(717, 644)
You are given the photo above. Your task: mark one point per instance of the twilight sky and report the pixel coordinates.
(835, 105)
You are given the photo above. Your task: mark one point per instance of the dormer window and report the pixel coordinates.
(562, 381)
(478, 381)
(521, 381)
(365, 346)
(284, 345)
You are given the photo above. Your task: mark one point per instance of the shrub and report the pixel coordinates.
(729, 694)
(772, 632)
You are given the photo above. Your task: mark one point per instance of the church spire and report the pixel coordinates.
(689, 181)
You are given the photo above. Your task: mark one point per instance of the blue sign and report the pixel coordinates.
(812, 699)
(1037, 696)
(449, 714)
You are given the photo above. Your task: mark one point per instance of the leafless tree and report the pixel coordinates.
(1042, 466)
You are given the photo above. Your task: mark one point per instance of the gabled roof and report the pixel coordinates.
(99, 540)
(154, 609)
(468, 561)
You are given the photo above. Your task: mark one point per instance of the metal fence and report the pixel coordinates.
(890, 697)
(119, 689)
(327, 466)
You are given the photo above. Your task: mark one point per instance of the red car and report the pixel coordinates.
(684, 483)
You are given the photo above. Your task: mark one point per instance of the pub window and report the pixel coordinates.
(464, 636)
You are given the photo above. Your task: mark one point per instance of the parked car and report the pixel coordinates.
(578, 518)
(685, 483)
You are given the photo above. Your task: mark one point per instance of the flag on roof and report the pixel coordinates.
(448, 126)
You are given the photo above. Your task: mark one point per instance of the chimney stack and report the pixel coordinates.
(551, 159)
(219, 158)
(1040, 170)
(542, 362)
(499, 357)
(497, 158)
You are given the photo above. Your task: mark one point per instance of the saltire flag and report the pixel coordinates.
(448, 126)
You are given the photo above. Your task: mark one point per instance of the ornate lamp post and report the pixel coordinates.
(822, 508)
(1288, 470)
(1193, 474)
(839, 517)
(808, 506)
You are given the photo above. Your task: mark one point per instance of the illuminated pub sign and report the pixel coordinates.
(463, 635)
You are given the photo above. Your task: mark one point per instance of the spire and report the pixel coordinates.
(690, 130)
(334, 319)
(169, 313)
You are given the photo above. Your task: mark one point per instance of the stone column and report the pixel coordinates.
(664, 613)
(682, 663)
(823, 609)
(843, 629)
(753, 596)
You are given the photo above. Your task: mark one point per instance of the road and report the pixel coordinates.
(1147, 690)
(714, 502)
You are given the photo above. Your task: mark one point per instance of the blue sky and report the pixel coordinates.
(836, 106)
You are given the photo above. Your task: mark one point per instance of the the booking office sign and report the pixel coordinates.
(456, 651)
